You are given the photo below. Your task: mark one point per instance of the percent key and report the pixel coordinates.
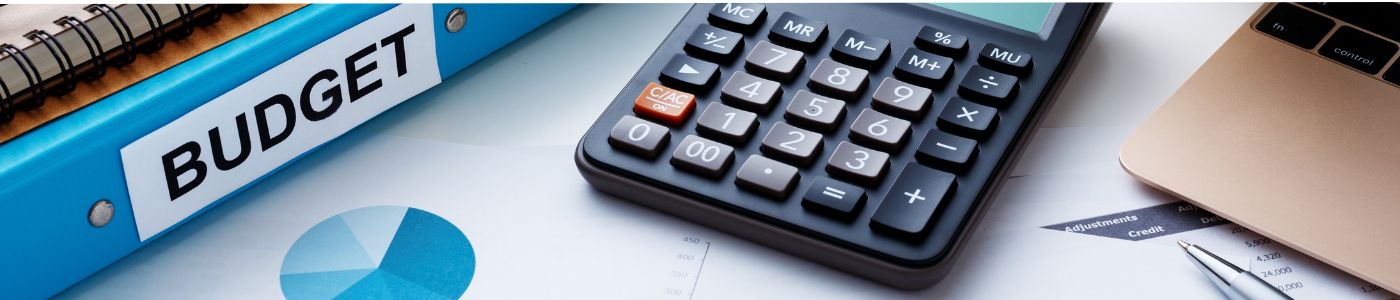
(938, 41)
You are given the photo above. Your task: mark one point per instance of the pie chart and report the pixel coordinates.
(379, 252)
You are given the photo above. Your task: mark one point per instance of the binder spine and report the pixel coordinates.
(14, 97)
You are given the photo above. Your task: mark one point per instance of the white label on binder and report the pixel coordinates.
(298, 105)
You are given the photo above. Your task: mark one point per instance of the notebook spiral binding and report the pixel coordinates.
(14, 99)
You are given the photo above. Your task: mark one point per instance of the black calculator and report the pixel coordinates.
(866, 137)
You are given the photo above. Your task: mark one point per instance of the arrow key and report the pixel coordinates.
(689, 74)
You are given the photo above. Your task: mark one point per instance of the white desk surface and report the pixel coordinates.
(546, 89)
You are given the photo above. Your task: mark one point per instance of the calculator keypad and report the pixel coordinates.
(923, 118)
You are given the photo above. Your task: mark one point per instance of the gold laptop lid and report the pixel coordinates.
(1287, 143)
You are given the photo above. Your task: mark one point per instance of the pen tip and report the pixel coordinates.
(1183, 244)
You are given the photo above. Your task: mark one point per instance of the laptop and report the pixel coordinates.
(1292, 129)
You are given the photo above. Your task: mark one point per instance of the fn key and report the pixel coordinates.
(910, 203)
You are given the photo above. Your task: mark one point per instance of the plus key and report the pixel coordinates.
(909, 206)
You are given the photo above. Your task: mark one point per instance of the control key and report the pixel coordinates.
(1358, 49)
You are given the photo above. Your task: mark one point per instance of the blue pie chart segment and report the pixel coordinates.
(379, 252)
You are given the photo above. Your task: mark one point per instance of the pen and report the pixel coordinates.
(1236, 283)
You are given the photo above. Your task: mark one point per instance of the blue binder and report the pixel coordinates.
(51, 177)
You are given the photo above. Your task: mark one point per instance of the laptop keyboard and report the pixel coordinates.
(1362, 35)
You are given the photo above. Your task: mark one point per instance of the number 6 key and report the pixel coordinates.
(879, 130)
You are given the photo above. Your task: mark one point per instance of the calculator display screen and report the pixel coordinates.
(1025, 16)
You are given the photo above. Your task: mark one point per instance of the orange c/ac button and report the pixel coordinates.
(664, 104)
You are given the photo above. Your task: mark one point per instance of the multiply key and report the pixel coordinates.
(966, 117)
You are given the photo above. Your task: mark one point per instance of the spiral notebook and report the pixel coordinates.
(55, 59)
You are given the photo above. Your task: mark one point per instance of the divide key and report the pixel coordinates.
(987, 85)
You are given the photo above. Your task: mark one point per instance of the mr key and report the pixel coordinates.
(864, 143)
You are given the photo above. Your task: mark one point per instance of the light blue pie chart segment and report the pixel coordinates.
(379, 252)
